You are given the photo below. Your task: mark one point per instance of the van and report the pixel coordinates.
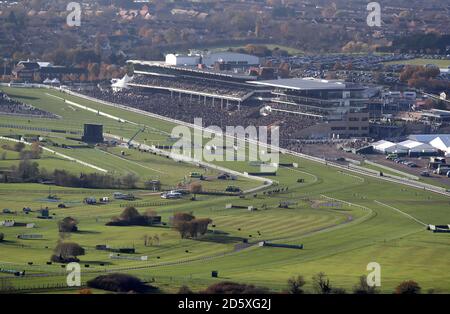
(392, 156)
(442, 170)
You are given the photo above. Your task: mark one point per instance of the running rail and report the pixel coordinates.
(417, 185)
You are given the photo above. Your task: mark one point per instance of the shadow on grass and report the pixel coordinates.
(87, 232)
(219, 238)
(23, 97)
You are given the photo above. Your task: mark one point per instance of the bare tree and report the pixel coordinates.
(295, 285)
(363, 287)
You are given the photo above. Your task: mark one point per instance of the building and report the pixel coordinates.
(387, 147)
(34, 71)
(416, 149)
(182, 60)
(436, 116)
(340, 108)
(232, 59)
(438, 141)
(227, 88)
(316, 97)
(93, 133)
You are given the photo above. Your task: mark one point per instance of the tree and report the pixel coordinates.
(36, 150)
(68, 224)
(363, 287)
(321, 284)
(131, 217)
(129, 181)
(202, 225)
(185, 290)
(19, 146)
(119, 283)
(67, 252)
(195, 188)
(146, 238)
(408, 287)
(130, 213)
(27, 171)
(295, 285)
(187, 225)
(156, 240)
(234, 288)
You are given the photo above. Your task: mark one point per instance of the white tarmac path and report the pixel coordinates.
(401, 212)
(60, 155)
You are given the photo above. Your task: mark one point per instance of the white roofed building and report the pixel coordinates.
(232, 59)
(120, 84)
(442, 143)
(416, 148)
(386, 147)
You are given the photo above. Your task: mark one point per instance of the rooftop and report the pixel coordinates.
(304, 84)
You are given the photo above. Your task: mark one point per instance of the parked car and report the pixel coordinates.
(233, 189)
(392, 156)
(171, 195)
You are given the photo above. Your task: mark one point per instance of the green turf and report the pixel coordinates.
(339, 239)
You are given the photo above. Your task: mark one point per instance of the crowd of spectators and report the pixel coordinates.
(186, 109)
(198, 85)
(14, 107)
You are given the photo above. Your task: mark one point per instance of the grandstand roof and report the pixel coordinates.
(389, 147)
(415, 146)
(427, 138)
(304, 84)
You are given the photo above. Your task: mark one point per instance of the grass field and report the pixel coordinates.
(420, 61)
(340, 239)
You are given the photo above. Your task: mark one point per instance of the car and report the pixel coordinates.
(171, 195)
(233, 189)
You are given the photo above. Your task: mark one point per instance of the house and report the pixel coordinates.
(35, 71)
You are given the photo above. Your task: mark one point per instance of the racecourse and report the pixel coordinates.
(345, 218)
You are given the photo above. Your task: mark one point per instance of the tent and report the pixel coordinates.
(387, 147)
(442, 143)
(122, 83)
(47, 81)
(416, 148)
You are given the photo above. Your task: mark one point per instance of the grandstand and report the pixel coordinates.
(317, 98)
(186, 109)
(10, 106)
(227, 88)
(185, 88)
